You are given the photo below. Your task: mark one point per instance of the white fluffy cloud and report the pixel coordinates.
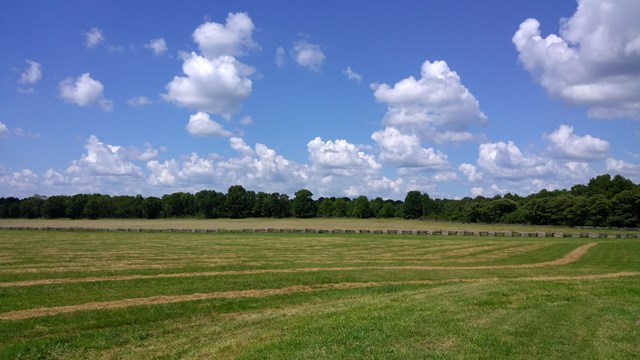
(84, 91)
(566, 145)
(240, 146)
(17, 183)
(308, 55)
(259, 169)
(340, 157)
(593, 61)
(436, 107)
(32, 74)
(4, 130)
(104, 159)
(200, 124)
(505, 160)
(624, 168)
(470, 171)
(93, 37)
(232, 38)
(404, 150)
(217, 86)
(158, 46)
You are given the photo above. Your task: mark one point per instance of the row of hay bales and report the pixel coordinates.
(342, 231)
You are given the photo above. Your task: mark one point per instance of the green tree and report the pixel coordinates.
(31, 207)
(376, 204)
(599, 210)
(209, 204)
(75, 206)
(428, 205)
(97, 207)
(340, 207)
(387, 211)
(303, 205)
(237, 202)
(55, 207)
(280, 205)
(9, 207)
(152, 207)
(127, 207)
(179, 204)
(625, 209)
(361, 208)
(412, 208)
(325, 209)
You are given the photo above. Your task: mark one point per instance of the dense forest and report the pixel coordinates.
(605, 201)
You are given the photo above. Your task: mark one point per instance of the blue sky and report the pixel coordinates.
(452, 98)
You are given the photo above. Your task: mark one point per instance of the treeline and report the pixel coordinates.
(604, 201)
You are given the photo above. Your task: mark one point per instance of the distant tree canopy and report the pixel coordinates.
(603, 201)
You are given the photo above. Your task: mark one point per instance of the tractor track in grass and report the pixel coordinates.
(259, 293)
(571, 257)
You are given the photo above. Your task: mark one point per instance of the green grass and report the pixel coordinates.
(377, 312)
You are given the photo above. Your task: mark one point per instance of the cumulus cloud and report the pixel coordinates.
(477, 191)
(624, 168)
(352, 75)
(32, 74)
(93, 37)
(405, 150)
(233, 38)
(505, 160)
(17, 183)
(504, 165)
(158, 46)
(240, 146)
(436, 107)
(470, 171)
(139, 101)
(84, 91)
(4, 130)
(259, 168)
(308, 55)
(216, 86)
(103, 159)
(340, 157)
(593, 61)
(565, 144)
(200, 124)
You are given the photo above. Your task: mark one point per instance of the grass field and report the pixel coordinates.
(313, 296)
(291, 223)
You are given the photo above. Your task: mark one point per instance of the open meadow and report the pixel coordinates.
(111, 295)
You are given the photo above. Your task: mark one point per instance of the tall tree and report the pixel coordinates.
(31, 207)
(54, 207)
(209, 204)
(237, 203)
(361, 208)
(152, 207)
(303, 205)
(412, 205)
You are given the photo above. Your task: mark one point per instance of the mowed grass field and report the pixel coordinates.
(292, 223)
(114, 295)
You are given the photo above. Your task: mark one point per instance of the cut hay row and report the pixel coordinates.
(253, 293)
(571, 257)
